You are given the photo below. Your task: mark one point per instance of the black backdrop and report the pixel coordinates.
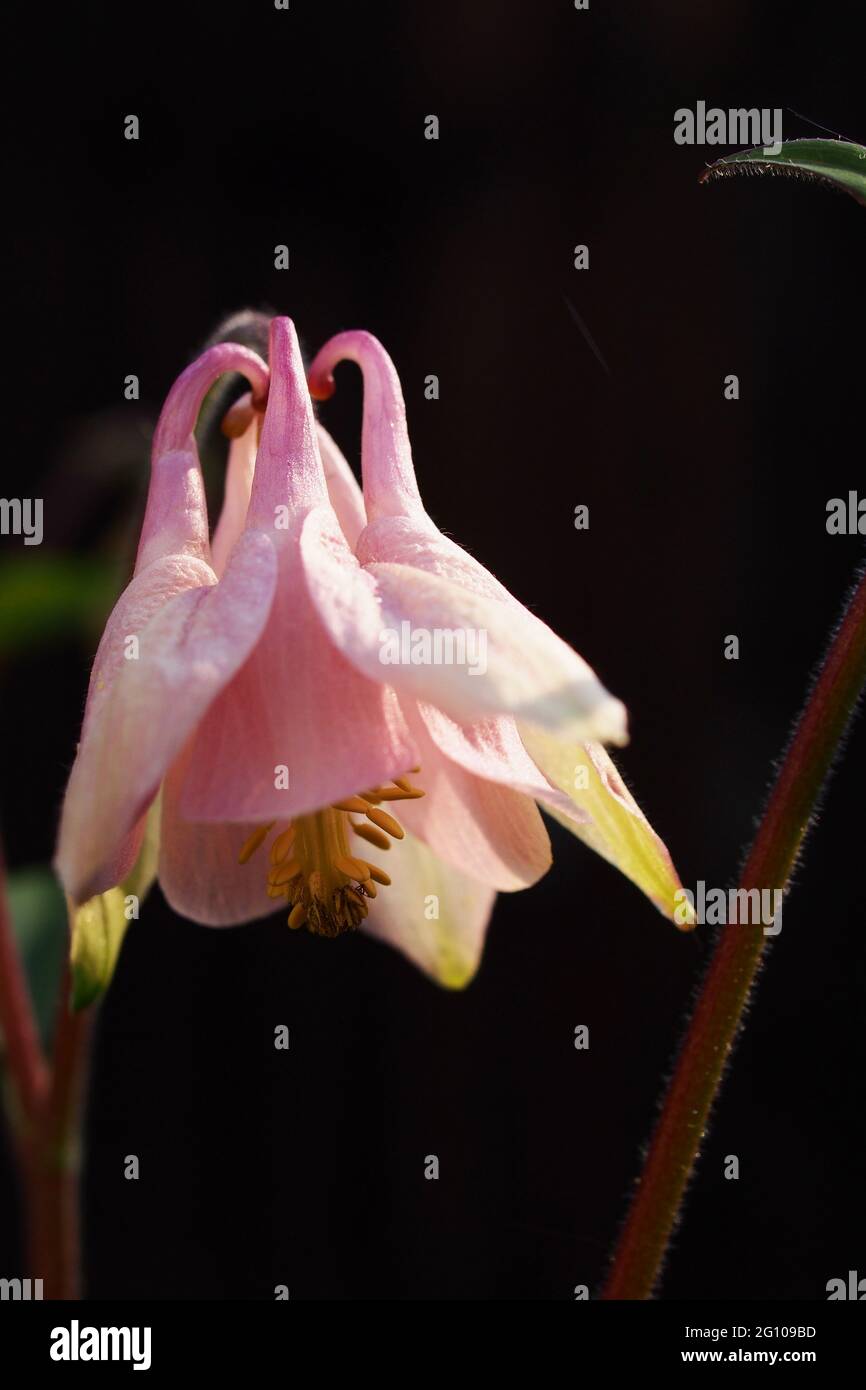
(707, 518)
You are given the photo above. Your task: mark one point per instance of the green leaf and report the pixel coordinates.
(38, 911)
(836, 162)
(42, 596)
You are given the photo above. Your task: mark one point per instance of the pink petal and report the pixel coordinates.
(433, 913)
(494, 750)
(344, 493)
(289, 478)
(297, 704)
(515, 666)
(178, 417)
(175, 521)
(148, 592)
(176, 516)
(199, 871)
(139, 721)
(527, 670)
(236, 494)
(491, 833)
(417, 542)
(390, 488)
(170, 562)
(429, 584)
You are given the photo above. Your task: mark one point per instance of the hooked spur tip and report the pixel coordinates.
(322, 385)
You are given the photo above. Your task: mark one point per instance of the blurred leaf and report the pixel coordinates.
(38, 911)
(826, 161)
(99, 925)
(42, 595)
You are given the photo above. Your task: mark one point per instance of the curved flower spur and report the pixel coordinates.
(301, 691)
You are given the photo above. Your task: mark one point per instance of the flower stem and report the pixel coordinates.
(28, 1074)
(718, 1017)
(53, 1164)
(46, 1108)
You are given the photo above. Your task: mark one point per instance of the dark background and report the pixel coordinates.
(707, 517)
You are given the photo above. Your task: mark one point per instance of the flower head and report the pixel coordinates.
(334, 683)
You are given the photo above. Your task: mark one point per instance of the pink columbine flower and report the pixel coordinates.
(282, 686)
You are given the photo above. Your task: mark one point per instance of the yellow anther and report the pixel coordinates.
(297, 916)
(284, 873)
(328, 888)
(351, 803)
(251, 845)
(371, 835)
(352, 868)
(386, 823)
(282, 844)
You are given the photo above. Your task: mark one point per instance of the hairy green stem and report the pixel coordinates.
(718, 1017)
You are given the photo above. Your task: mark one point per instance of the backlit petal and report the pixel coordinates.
(433, 913)
(493, 749)
(611, 822)
(492, 833)
(512, 663)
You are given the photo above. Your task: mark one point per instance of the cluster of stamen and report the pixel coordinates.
(311, 866)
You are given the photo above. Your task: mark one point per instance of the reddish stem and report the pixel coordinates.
(724, 996)
(28, 1073)
(46, 1113)
(53, 1164)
